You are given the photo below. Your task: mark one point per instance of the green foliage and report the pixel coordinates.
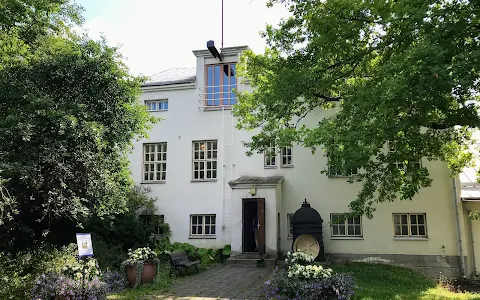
(20, 271)
(404, 71)
(206, 256)
(71, 111)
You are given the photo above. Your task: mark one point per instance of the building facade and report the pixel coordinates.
(210, 192)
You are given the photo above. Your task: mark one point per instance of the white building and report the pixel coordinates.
(191, 157)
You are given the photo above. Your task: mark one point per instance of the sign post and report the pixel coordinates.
(85, 249)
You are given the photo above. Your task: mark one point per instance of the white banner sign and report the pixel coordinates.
(84, 242)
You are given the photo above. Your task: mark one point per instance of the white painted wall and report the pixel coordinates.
(179, 197)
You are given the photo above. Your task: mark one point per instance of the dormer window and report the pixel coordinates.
(221, 79)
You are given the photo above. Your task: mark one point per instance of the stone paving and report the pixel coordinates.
(222, 282)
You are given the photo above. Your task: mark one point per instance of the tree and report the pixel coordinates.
(69, 112)
(400, 71)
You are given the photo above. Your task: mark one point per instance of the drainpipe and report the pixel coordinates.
(459, 234)
(473, 242)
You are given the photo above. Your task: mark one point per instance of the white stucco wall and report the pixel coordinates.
(179, 197)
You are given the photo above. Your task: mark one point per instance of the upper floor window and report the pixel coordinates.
(286, 156)
(156, 105)
(392, 148)
(155, 162)
(270, 156)
(221, 80)
(204, 160)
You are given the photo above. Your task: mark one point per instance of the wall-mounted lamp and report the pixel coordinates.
(253, 191)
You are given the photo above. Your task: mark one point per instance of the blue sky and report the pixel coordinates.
(155, 35)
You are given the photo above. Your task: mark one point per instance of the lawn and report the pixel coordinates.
(379, 282)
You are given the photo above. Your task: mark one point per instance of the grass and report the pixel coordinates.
(385, 282)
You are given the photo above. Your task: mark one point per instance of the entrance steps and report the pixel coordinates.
(251, 259)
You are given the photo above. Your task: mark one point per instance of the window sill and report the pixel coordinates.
(342, 176)
(157, 110)
(154, 182)
(198, 237)
(289, 237)
(409, 238)
(287, 166)
(202, 180)
(354, 238)
(269, 167)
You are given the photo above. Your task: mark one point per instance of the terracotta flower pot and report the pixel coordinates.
(148, 273)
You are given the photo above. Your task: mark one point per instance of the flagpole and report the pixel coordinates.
(222, 23)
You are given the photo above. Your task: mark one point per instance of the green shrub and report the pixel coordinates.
(108, 256)
(206, 256)
(18, 272)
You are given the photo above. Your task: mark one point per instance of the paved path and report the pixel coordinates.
(222, 282)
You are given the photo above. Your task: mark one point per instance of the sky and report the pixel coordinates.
(156, 35)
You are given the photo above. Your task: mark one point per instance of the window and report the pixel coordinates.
(286, 156)
(204, 160)
(290, 227)
(340, 169)
(203, 225)
(156, 105)
(156, 221)
(155, 162)
(346, 227)
(410, 225)
(221, 80)
(270, 156)
(392, 145)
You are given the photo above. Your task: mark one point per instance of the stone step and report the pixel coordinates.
(269, 262)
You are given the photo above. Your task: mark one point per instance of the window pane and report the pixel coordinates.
(200, 229)
(194, 220)
(165, 105)
(358, 230)
(207, 219)
(341, 229)
(207, 229)
(212, 229)
(351, 230)
(209, 85)
(414, 230)
(397, 230)
(404, 230)
(233, 83)
(335, 230)
(413, 219)
(216, 95)
(194, 229)
(421, 230)
(396, 219)
(421, 220)
(200, 220)
(404, 219)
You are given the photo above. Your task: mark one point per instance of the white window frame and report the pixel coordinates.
(285, 156)
(205, 156)
(156, 157)
(346, 224)
(409, 225)
(289, 225)
(400, 165)
(163, 102)
(222, 91)
(203, 225)
(269, 159)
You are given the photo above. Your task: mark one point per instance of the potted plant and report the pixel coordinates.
(141, 266)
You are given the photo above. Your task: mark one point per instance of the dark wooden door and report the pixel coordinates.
(261, 229)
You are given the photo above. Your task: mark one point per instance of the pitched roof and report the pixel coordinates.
(255, 180)
(172, 76)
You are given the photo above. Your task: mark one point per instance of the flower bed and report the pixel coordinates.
(299, 278)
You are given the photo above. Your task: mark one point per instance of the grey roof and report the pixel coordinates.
(255, 180)
(172, 76)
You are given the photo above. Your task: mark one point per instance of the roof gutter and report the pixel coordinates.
(171, 87)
